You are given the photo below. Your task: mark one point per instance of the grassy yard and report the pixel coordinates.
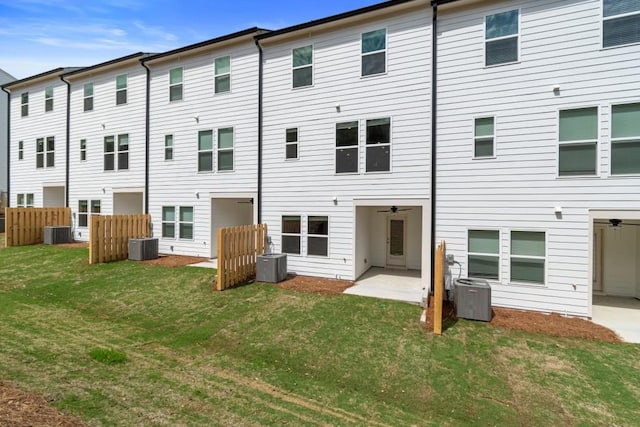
(131, 344)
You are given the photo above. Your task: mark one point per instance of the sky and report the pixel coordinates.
(41, 35)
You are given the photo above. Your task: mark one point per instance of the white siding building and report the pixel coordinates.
(4, 123)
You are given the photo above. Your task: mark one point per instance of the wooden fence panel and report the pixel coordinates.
(109, 235)
(25, 226)
(238, 248)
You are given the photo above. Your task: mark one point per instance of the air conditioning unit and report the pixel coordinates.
(271, 268)
(143, 249)
(472, 298)
(57, 234)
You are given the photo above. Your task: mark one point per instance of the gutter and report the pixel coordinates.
(146, 138)
(434, 134)
(8, 145)
(68, 144)
(260, 74)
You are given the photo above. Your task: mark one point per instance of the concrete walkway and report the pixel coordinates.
(399, 285)
(621, 315)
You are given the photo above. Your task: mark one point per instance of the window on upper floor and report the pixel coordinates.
(123, 152)
(109, 153)
(83, 150)
(20, 150)
(121, 89)
(501, 38)
(483, 254)
(621, 22)
(39, 153)
(578, 142)
(24, 104)
(302, 65)
(374, 52)
(88, 97)
(45, 152)
(625, 139)
(225, 149)
(48, 98)
(318, 235)
(186, 222)
(484, 137)
(291, 234)
(223, 74)
(168, 147)
(50, 151)
(291, 145)
(168, 222)
(378, 150)
(347, 147)
(528, 257)
(205, 151)
(175, 84)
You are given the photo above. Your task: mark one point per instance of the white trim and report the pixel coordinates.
(296, 143)
(598, 142)
(498, 255)
(545, 257)
(619, 140)
(475, 138)
(218, 149)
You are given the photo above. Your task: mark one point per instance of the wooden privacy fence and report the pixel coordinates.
(109, 235)
(238, 248)
(25, 226)
(438, 288)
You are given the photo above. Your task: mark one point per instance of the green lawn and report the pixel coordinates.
(131, 344)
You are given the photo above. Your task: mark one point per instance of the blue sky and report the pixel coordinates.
(40, 35)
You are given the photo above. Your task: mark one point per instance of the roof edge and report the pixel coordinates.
(107, 63)
(54, 73)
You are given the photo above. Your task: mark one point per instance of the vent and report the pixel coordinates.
(54, 235)
(473, 299)
(271, 268)
(143, 249)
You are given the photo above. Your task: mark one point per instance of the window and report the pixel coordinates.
(291, 146)
(29, 200)
(20, 150)
(625, 139)
(50, 152)
(302, 60)
(225, 149)
(88, 96)
(24, 200)
(83, 149)
(205, 151)
(223, 74)
(83, 211)
(621, 22)
(528, 250)
(95, 206)
(186, 223)
(483, 254)
(374, 52)
(347, 147)
(169, 222)
(48, 99)
(123, 152)
(578, 142)
(109, 153)
(121, 89)
(378, 145)
(175, 84)
(483, 137)
(501, 38)
(291, 231)
(24, 104)
(168, 147)
(318, 235)
(20, 200)
(39, 153)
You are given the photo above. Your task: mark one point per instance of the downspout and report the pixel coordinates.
(8, 146)
(146, 139)
(68, 144)
(260, 73)
(434, 117)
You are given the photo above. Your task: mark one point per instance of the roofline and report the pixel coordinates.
(333, 18)
(210, 42)
(106, 64)
(54, 73)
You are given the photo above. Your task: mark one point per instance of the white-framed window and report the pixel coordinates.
(50, 153)
(501, 37)
(528, 257)
(20, 200)
(30, 200)
(625, 139)
(347, 147)
(123, 152)
(291, 144)
(205, 151)
(175, 84)
(169, 222)
(620, 22)
(302, 66)
(291, 234)
(24, 200)
(318, 235)
(122, 149)
(88, 96)
(84, 213)
(483, 254)
(484, 137)
(48, 98)
(24, 104)
(223, 74)
(45, 152)
(83, 150)
(168, 147)
(378, 145)
(109, 153)
(374, 52)
(225, 149)
(186, 222)
(20, 150)
(578, 141)
(121, 89)
(39, 153)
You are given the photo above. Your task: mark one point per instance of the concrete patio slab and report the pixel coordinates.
(621, 315)
(398, 285)
(212, 263)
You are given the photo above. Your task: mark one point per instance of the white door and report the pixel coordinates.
(597, 259)
(396, 241)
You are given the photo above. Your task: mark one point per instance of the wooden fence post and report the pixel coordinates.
(438, 289)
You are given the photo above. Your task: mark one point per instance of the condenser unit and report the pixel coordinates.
(57, 234)
(271, 268)
(143, 249)
(472, 298)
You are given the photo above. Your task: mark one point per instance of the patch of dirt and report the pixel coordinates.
(174, 260)
(73, 245)
(18, 408)
(315, 284)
